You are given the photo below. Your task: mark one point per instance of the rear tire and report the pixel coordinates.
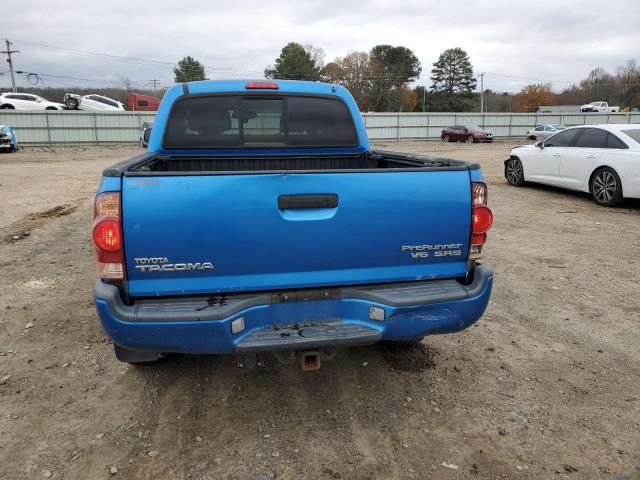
(470, 139)
(136, 357)
(6, 106)
(72, 103)
(532, 137)
(514, 172)
(446, 139)
(606, 188)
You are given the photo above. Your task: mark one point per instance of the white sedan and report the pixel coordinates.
(544, 131)
(603, 160)
(27, 101)
(92, 103)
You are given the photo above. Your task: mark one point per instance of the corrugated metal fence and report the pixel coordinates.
(429, 125)
(55, 128)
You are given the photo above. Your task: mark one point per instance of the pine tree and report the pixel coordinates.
(453, 80)
(189, 70)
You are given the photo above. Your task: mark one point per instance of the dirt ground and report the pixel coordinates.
(545, 385)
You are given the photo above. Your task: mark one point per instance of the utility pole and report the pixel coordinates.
(424, 99)
(8, 51)
(481, 92)
(154, 81)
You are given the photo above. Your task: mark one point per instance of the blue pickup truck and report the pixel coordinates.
(261, 221)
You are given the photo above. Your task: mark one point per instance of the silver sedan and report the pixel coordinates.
(544, 131)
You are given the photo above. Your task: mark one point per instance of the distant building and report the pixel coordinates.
(558, 109)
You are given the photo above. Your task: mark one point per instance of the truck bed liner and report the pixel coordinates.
(162, 164)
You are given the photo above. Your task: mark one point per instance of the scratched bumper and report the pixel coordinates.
(203, 324)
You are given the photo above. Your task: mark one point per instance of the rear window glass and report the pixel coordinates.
(252, 121)
(635, 134)
(615, 142)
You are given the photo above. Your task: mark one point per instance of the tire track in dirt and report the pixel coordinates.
(22, 228)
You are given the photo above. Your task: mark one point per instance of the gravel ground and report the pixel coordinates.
(545, 385)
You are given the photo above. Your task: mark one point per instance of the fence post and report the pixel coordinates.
(398, 126)
(510, 123)
(46, 116)
(426, 133)
(95, 127)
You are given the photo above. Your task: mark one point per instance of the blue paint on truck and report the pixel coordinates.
(261, 220)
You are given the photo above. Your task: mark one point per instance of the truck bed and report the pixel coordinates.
(162, 164)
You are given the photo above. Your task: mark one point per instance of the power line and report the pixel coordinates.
(142, 61)
(37, 77)
(121, 58)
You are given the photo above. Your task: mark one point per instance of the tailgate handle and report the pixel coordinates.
(300, 202)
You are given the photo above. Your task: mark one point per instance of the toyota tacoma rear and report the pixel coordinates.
(261, 221)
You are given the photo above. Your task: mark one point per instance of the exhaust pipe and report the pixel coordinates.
(310, 360)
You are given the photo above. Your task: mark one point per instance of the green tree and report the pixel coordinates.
(421, 98)
(189, 70)
(296, 62)
(392, 68)
(452, 80)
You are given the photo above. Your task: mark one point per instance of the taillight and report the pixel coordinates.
(107, 236)
(481, 219)
(261, 86)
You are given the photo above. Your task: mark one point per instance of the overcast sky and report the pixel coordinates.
(557, 41)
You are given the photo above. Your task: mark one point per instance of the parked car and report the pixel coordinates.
(248, 227)
(27, 101)
(466, 133)
(544, 131)
(603, 160)
(8, 139)
(145, 133)
(598, 107)
(92, 103)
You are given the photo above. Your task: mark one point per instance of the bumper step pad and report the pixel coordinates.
(307, 336)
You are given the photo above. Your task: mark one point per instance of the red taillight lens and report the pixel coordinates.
(107, 236)
(261, 86)
(482, 219)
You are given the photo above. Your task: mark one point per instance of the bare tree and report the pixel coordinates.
(353, 71)
(316, 53)
(628, 78)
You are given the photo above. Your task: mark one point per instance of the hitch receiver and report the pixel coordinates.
(310, 360)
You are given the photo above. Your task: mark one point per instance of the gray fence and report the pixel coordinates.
(56, 128)
(385, 126)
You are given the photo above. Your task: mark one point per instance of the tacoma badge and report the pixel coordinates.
(162, 264)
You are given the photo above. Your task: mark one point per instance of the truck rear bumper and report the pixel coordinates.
(294, 320)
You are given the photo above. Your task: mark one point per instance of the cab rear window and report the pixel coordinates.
(271, 121)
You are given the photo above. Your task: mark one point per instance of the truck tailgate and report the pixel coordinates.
(195, 234)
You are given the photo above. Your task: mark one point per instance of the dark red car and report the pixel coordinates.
(466, 133)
